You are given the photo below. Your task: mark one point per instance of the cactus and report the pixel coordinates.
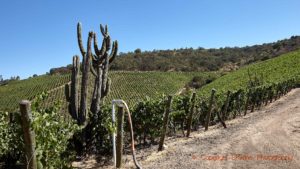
(100, 64)
(72, 97)
(78, 108)
(81, 114)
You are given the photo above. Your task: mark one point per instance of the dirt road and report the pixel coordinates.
(268, 138)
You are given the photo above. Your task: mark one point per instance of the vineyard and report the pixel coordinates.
(227, 97)
(156, 104)
(129, 86)
(145, 84)
(269, 72)
(70, 115)
(13, 92)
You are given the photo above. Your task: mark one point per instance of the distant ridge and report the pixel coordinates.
(200, 59)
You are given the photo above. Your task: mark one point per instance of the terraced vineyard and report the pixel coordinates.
(276, 70)
(13, 92)
(129, 86)
(134, 86)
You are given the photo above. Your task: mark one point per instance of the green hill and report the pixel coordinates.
(133, 86)
(13, 92)
(275, 70)
(129, 86)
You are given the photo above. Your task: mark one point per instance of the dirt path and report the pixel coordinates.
(268, 138)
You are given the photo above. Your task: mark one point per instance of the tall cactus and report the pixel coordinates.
(100, 63)
(86, 55)
(73, 97)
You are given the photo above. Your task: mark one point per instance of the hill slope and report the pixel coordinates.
(200, 59)
(12, 93)
(134, 86)
(189, 59)
(130, 86)
(275, 70)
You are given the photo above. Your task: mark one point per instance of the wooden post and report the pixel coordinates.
(234, 107)
(186, 111)
(261, 97)
(190, 118)
(224, 113)
(213, 91)
(119, 141)
(165, 123)
(29, 135)
(277, 93)
(247, 102)
(271, 95)
(221, 119)
(239, 103)
(253, 99)
(267, 97)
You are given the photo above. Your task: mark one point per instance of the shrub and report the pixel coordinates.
(52, 135)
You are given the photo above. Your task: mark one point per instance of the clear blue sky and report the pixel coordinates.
(38, 35)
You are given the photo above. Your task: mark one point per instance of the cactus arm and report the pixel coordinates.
(114, 52)
(67, 92)
(103, 53)
(103, 47)
(107, 89)
(108, 43)
(96, 45)
(79, 37)
(93, 71)
(104, 31)
(94, 59)
(84, 87)
(105, 74)
(106, 36)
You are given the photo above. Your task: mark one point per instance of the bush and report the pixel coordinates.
(147, 119)
(199, 81)
(52, 135)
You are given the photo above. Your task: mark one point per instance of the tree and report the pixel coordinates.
(1, 78)
(138, 51)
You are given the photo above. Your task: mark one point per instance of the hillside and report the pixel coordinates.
(200, 59)
(133, 86)
(130, 86)
(189, 59)
(12, 93)
(275, 70)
